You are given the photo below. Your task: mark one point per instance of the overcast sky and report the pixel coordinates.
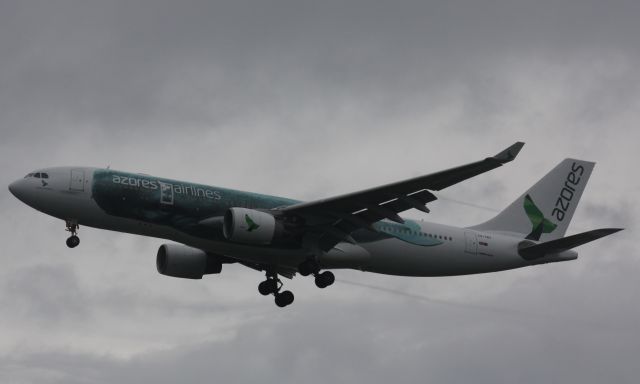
(307, 99)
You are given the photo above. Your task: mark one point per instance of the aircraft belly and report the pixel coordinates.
(248, 253)
(345, 255)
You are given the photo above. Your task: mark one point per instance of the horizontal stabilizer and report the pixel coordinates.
(565, 243)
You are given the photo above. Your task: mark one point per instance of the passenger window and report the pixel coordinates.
(44, 175)
(37, 175)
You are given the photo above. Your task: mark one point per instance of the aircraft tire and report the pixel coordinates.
(284, 298)
(267, 287)
(325, 279)
(73, 241)
(308, 267)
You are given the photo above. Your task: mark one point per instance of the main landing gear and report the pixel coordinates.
(311, 267)
(73, 240)
(272, 286)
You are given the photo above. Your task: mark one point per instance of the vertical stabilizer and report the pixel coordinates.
(545, 210)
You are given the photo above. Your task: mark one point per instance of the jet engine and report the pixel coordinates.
(189, 263)
(249, 226)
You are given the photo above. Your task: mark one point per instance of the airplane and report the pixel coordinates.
(212, 226)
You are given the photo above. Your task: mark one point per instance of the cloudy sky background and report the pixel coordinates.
(308, 99)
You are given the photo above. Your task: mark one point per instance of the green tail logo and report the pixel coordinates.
(252, 224)
(539, 223)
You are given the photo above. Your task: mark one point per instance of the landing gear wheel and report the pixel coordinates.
(72, 227)
(73, 241)
(325, 279)
(284, 298)
(308, 267)
(272, 286)
(268, 287)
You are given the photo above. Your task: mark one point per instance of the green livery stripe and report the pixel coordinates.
(409, 232)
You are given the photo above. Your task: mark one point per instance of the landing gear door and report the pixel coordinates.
(471, 242)
(77, 180)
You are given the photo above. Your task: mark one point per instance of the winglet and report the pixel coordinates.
(509, 154)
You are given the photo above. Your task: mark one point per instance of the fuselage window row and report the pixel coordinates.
(391, 229)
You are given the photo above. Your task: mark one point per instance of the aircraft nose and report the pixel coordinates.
(14, 188)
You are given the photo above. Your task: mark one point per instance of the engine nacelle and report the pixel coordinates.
(249, 226)
(189, 263)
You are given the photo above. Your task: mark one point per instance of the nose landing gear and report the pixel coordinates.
(272, 286)
(72, 227)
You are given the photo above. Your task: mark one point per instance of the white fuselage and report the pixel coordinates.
(67, 194)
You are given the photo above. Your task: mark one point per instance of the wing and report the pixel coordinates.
(335, 218)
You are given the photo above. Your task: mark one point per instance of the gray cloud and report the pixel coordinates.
(387, 340)
(45, 294)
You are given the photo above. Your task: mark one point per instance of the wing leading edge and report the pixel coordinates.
(335, 218)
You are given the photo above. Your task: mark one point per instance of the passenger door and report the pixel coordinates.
(471, 242)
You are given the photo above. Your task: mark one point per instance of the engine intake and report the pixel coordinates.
(189, 263)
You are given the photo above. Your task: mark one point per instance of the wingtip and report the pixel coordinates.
(613, 230)
(602, 232)
(510, 153)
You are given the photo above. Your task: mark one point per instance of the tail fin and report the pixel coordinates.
(545, 210)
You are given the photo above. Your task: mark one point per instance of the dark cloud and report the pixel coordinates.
(306, 100)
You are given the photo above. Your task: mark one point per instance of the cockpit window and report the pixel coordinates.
(38, 175)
